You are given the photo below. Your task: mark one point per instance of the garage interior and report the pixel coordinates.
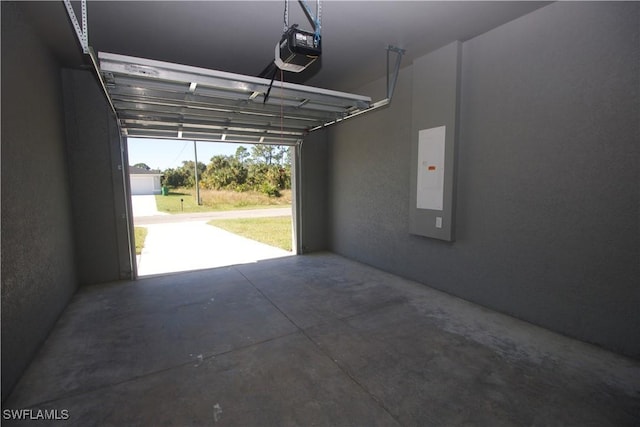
(521, 308)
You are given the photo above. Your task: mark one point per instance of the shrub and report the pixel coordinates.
(269, 189)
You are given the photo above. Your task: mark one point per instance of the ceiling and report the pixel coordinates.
(240, 36)
(185, 69)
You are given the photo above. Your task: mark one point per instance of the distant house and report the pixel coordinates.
(144, 181)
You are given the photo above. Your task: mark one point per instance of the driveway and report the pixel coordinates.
(143, 206)
(186, 242)
(164, 218)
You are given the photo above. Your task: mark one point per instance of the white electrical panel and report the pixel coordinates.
(434, 124)
(431, 150)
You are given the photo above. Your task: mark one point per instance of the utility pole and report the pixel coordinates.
(195, 151)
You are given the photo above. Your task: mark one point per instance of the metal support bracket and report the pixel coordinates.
(81, 32)
(392, 79)
(391, 86)
(315, 19)
(83, 37)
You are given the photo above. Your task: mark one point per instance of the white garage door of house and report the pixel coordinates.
(143, 185)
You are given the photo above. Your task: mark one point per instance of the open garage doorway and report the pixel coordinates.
(200, 204)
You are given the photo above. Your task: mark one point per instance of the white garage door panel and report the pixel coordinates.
(141, 185)
(164, 100)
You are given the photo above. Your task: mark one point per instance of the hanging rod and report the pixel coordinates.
(82, 32)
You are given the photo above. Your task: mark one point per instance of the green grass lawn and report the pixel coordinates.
(140, 235)
(274, 231)
(218, 201)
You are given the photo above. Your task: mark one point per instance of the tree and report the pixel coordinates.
(263, 153)
(242, 154)
(175, 177)
(142, 166)
(288, 156)
(225, 172)
(266, 168)
(188, 169)
(183, 176)
(283, 154)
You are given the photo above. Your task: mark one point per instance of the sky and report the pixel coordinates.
(167, 153)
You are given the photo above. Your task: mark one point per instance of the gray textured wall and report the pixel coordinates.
(548, 220)
(93, 146)
(435, 102)
(313, 191)
(38, 275)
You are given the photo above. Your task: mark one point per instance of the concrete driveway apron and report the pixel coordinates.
(192, 244)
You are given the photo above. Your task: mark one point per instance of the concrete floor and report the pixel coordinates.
(314, 341)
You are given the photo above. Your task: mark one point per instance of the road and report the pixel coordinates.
(207, 216)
